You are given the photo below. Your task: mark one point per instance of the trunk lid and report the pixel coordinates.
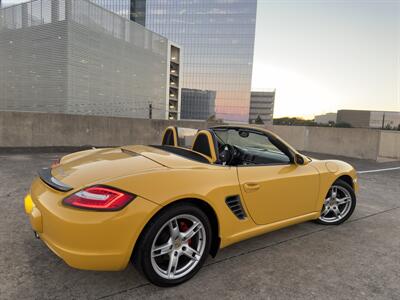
(97, 165)
(165, 158)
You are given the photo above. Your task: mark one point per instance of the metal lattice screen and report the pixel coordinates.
(77, 57)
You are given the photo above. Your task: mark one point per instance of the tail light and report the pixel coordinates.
(99, 198)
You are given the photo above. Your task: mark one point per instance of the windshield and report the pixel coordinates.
(257, 145)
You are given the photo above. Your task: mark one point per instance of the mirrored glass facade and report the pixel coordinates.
(198, 104)
(135, 10)
(217, 41)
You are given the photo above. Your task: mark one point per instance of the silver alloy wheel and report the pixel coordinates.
(337, 204)
(176, 252)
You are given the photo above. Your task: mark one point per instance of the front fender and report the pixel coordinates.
(330, 171)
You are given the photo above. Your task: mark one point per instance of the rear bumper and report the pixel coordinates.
(88, 240)
(99, 261)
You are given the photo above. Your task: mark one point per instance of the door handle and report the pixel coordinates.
(251, 187)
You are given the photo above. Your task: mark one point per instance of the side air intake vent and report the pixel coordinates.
(236, 207)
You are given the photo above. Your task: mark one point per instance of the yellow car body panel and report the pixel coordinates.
(89, 239)
(96, 240)
(267, 196)
(99, 164)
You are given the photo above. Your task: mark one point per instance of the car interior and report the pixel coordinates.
(226, 146)
(171, 142)
(206, 144)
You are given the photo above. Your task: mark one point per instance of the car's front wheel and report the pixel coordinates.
(339, 204)
(174, 245)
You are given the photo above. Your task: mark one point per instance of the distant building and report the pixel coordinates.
(217, 40)
(197, 104)
(77, 57)
(262, 106)
(369, 119)
(326, 118)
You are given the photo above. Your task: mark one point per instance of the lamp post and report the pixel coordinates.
(150, 111)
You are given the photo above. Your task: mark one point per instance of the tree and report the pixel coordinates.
(213, 119)
(343, 125)
(294, 122)
(258, 120)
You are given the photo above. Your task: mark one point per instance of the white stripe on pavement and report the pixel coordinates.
(378, 170)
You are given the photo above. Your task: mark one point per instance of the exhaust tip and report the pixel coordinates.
(36, 235)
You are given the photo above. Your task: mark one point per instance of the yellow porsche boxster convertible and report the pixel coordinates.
(167, 207)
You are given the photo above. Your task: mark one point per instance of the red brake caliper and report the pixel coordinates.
(183, 227)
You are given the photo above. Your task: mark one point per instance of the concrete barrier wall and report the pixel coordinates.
(389, 146)
(26, 129)
(294, 135)
(351, 142)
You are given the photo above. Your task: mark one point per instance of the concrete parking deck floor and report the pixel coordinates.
(359, 259)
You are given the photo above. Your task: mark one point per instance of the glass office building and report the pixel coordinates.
(217, 41)
(198, 104)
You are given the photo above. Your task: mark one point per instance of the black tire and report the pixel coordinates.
(350, 190)
(142, 254)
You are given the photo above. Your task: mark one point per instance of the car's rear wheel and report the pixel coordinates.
(174, 245)
(339, 204)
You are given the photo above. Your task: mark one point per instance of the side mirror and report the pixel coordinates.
(225, 155)
(299, 159)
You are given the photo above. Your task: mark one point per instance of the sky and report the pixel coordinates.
(322, 56)
(325, 55)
